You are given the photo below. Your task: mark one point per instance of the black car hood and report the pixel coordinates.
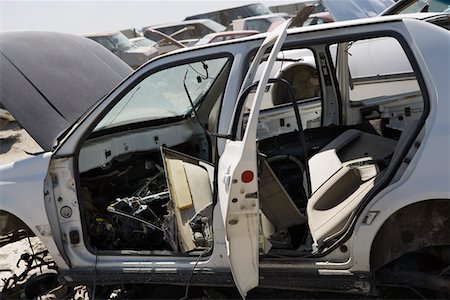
(48, 80)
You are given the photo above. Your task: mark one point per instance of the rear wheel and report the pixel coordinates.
(425, 273)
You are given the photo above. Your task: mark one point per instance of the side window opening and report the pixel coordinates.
(383, 88)
(298, 69)
(155, 135)
(381, 104)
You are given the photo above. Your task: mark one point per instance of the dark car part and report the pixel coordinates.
(49, 88)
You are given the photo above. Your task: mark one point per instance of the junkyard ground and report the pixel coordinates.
(16, 144)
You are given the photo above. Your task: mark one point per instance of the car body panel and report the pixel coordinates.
(434, 146)
(238, 195)
(116, 42)
(49, 89)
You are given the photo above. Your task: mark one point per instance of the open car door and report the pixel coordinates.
(238, 178)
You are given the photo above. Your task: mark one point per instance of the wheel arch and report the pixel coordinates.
(415, 226)
(10, 222)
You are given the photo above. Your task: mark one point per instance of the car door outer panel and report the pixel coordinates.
(238, 195)
(218, 259)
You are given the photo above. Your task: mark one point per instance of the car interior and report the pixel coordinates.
(146, 182)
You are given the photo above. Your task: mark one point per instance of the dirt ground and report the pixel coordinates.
(16, 143)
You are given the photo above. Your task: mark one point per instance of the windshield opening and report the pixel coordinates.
(162, 94)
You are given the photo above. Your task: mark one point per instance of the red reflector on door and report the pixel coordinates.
(247, 176)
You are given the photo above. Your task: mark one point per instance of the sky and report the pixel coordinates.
(82, 16)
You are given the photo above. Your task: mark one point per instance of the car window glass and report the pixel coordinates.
(163, 95)
(121, 42)
(427, 6)
(105, 42)
(258, 25)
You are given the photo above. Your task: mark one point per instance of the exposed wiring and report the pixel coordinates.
(202, 76)
(192, 273)
(350, 44)
(193, 106)
(225, 136)
(32, 250)
(282, 62)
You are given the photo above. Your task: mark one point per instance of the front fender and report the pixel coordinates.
(22, 195)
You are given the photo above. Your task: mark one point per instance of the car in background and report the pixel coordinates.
(163, 46)
(292, 9)
(326, 11)
(117, 43)
(318, 18)
(226, 16)
(415, 6)
(163, 42)
(188, 32)
(225, 36)
(143, 42)
(343, 10)
(262, 23)
(131, 33)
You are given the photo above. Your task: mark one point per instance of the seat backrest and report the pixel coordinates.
(275, 202)
(330, 207)
(326, 163)
(342, 173)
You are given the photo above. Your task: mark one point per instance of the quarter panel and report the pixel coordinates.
(427, 175)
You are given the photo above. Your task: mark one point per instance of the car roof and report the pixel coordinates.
(319, 27)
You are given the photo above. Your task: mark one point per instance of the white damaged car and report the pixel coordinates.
(302, 161)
